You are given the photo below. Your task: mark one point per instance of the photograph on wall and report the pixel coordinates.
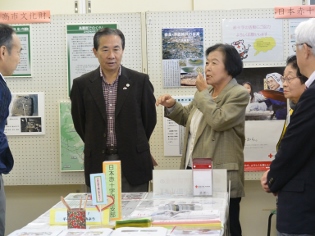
(71, 145)
(174, 133)
(80, 54)
(265, 115)
(256, 40)
(182, 56)
(264, 85)
(26, 114)
(24, 67)
(293, 23)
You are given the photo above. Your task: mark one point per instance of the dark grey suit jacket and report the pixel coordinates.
(292, 173)
(135, 119)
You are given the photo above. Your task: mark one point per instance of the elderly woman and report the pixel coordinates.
(215, 121)
(280, 108)
(293, 87)
(293, 81)
(274, 82)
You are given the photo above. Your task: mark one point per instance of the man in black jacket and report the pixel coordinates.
(113, 110)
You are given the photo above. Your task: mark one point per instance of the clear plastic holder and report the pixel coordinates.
(202, 177)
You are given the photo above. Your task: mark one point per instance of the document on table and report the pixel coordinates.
(86, 232)
(133, 231)
(177, 231)
(32, 232)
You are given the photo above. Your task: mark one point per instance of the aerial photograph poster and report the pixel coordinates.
(182, 56)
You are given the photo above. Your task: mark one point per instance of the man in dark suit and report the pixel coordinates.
(10, 49)
(292, 174)
(113, 110)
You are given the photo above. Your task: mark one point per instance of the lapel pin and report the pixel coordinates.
(128, 85)
(124, 88)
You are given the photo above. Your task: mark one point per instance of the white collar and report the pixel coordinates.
(310, 80)
(1, 76)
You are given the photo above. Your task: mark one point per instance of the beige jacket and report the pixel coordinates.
(220, 134)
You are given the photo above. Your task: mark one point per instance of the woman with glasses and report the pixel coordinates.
(293, 81)
(293, 87)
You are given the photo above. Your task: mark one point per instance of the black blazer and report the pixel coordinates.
(135, 119)
(292, 173)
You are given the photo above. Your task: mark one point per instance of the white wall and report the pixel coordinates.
(255, 209)
(55, 6)
(233, 4)
(106, 6)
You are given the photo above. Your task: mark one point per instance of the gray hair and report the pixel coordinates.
(304, 33)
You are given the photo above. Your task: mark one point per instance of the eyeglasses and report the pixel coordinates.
(294, 46)
(288, 79)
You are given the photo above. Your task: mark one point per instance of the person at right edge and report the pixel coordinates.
(291, 176)
(215, 121)
(10, 49)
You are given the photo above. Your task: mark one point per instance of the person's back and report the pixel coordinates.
(10, 48)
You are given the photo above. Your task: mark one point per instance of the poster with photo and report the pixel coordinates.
(264, 117)
(182, 56)
(26, 114)
(256, 40)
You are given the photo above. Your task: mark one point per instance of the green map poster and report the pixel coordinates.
(71, 145)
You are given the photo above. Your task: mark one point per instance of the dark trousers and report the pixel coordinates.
(125, 186)
(234, 217)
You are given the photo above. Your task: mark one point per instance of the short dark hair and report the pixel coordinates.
(108, 31)
(6, 38)
(292, 61)
(232, 60)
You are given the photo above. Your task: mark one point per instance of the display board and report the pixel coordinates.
(211, 22)
(37, 157)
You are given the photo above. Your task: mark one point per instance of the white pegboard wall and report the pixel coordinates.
(253, 175)
(211, 21)
(37, 158)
